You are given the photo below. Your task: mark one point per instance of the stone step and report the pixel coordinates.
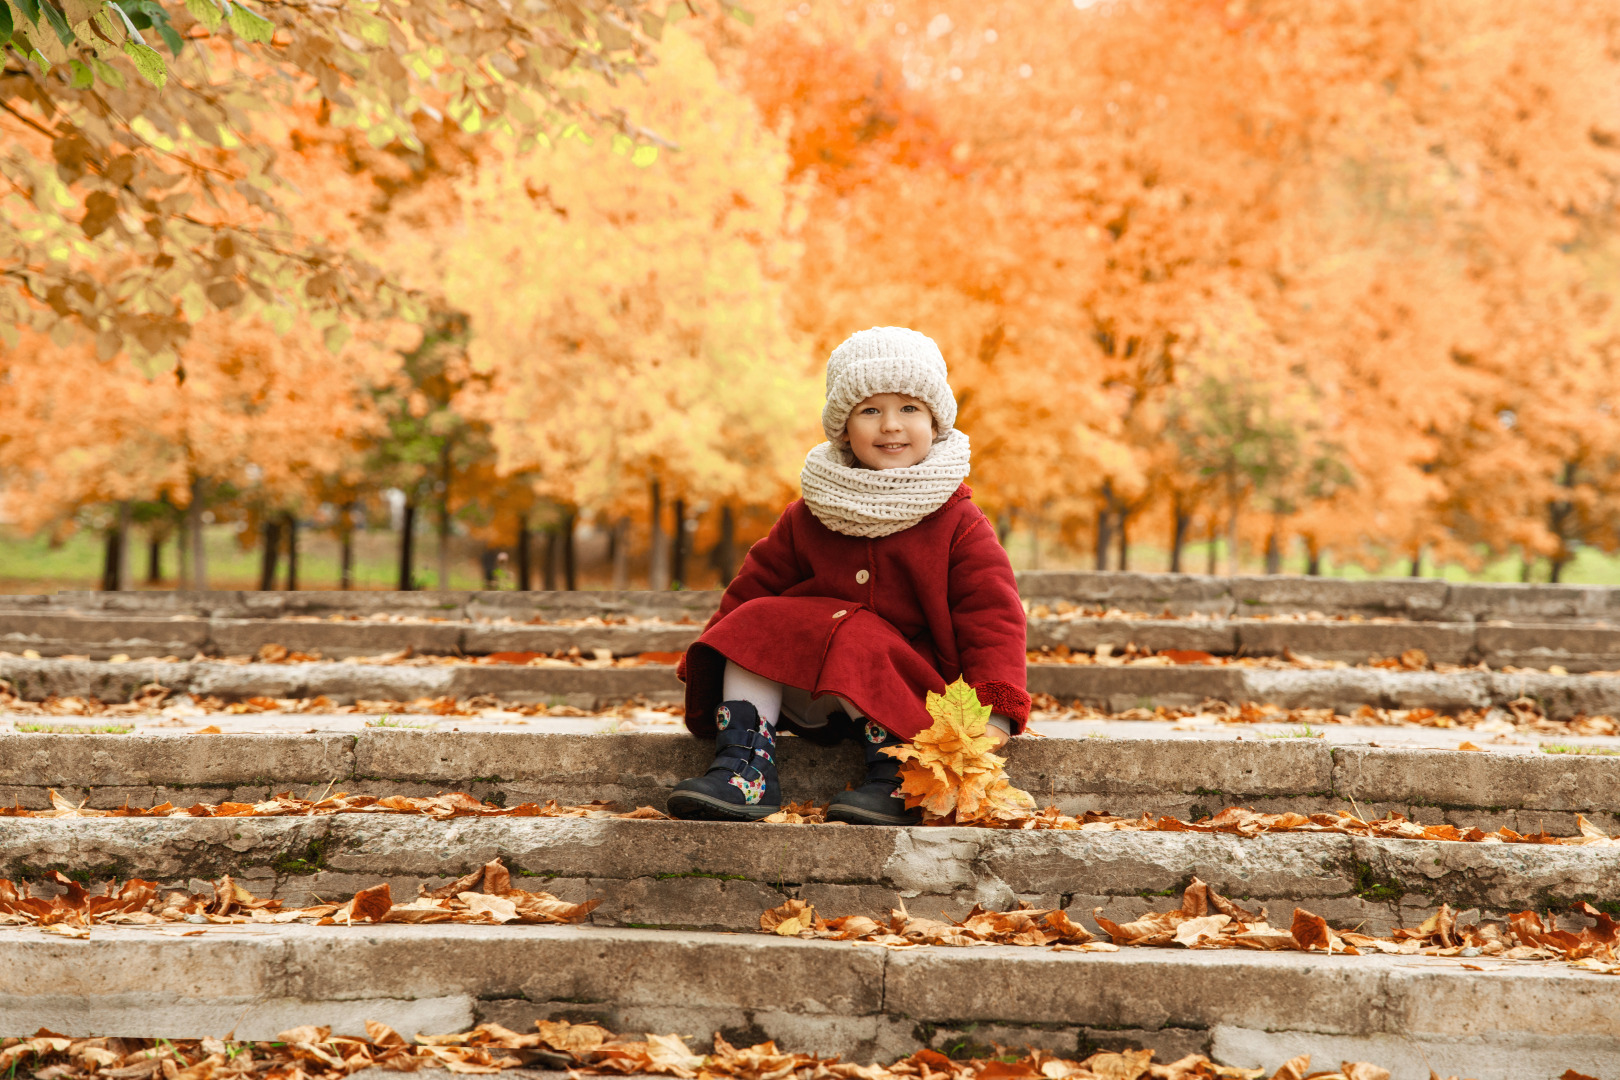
(722, 875)
(103, 635)
(100, 636)
(584, 687)
(1184, 779)
(1574, 648)
(1506, 1022)
(1113, 688)
(1152, 594)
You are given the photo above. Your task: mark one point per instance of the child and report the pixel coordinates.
(884, 582)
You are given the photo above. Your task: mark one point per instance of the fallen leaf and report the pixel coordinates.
(1293, 1068)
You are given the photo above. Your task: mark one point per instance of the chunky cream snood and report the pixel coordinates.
(856, 501)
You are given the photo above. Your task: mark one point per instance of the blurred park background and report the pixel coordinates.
(538, 294)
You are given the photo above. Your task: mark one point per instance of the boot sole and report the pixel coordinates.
(855, 815)
(696, 806)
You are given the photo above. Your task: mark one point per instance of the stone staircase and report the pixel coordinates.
(674, 945)
(1554, 641)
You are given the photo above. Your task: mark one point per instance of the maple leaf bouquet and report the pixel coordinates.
(950, 771)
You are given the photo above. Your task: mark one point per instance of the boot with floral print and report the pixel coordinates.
(876, 802)
(741, 785)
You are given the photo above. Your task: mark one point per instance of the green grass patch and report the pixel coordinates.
(43, 727)
(703, 874)
(390, 721)
(1370, 887)
(311, 860)
(1591, 751)
(1304, 731)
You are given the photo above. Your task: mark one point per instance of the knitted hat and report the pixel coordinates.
(886, 360)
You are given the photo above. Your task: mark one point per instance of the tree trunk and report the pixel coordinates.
(1232, 543)
(194, 523)
(724, 559)
(270, 530)
(523, 568)
(548, 572)
(658, 557)
(1209, 553)
(1525, 566)
(346, 547)
(1124, 542)
(444, 516)
(677, 557)
(1557, 570)
(1105, 537)
(1035, 540)
(1417, 564)
(109, 561)
(289, 525)
(1273, 554)
(182, 540)
(569, 575)
(126, 580)
(1313, 558)
(1003, 527)
(486, 566)
(621, 554)
(407, 548)
(1181, 521)
(154, 559)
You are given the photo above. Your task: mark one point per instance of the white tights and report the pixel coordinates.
(772, 699)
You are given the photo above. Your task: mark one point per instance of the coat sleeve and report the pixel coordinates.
(988, 618)
(771, 567)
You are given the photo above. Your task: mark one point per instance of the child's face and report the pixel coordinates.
(890, 431)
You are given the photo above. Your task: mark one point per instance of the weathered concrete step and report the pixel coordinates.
(103, 635)
(344, 683)
(1125, 776)
(1574, 648)
(1513, 1022)
(1407, 598)
(1344, 690)
(1113, 688)
(722, 876)
(450, 606)
(1410, 598)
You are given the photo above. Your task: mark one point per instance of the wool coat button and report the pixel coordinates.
(862, 577)
(839, 614)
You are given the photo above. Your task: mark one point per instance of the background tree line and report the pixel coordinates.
(1333, 278)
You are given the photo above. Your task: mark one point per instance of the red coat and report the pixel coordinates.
(879, 622)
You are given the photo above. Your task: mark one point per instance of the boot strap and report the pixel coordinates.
(751, 745)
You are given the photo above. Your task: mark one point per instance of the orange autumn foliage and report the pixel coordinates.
(1387, 222)
(1338, 277)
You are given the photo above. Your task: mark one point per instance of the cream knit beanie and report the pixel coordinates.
(886, 360)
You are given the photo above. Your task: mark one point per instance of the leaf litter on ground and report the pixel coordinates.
(1207, 920)
(312, 1052)
(485, 896)
(1233, 821)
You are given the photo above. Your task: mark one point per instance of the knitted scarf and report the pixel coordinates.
(856, 501)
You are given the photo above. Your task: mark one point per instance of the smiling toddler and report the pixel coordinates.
(884, 582)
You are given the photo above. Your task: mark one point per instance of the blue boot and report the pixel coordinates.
(741, 785)
(876, 802)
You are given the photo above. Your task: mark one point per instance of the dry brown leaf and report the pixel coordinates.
(1293, 1068)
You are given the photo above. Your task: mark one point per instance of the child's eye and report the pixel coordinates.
(908, 408)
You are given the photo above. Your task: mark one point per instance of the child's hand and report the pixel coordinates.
(997, 737)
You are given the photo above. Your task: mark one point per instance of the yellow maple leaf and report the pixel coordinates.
(949, 769)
